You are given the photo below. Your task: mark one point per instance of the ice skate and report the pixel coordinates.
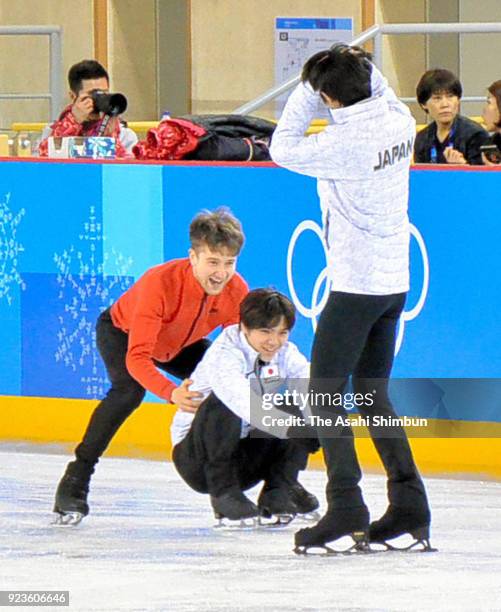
(307, 504)
(68, 518)
(335, 525)
(276, 507)
(398, 521)
(233, 509)
(71, 504)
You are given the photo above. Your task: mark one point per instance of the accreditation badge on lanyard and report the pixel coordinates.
(450, 144)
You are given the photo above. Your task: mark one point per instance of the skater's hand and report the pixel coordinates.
(185, 399)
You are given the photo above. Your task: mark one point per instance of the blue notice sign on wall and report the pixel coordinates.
(313, 23)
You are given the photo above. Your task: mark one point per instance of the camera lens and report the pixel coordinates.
(112, 104)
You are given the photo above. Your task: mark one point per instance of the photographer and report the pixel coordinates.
(81, 118)
(492, 118)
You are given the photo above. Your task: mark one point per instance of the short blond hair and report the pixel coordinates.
(218, 229)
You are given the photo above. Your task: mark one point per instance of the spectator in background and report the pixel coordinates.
(80, 118)
(450, 138)
(492, 116)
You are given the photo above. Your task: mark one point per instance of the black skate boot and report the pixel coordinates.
(71, 495)
(276, 502)
(306, 502)
(400, 520)
(233, 505)
(338, 522)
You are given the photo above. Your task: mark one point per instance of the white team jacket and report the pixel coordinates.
(362, 164)
(226, 369)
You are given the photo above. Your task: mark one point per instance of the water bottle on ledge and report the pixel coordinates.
(165, 115)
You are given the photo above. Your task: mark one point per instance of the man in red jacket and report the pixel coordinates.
(160, 322)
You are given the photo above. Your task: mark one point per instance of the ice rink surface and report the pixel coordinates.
(149, 544)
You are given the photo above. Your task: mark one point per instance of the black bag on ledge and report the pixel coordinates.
(208, 138)
(232, 138)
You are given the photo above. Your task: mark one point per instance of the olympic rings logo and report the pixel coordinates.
(318, 302)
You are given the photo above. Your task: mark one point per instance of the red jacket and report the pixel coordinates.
(67, 125)
(166, 310)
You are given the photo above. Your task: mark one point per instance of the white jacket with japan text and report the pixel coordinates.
(362, 164)
(227, 369)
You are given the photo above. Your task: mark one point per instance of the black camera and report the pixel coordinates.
(492, 153)
(112, 104)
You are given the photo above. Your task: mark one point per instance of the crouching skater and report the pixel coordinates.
(226, 447)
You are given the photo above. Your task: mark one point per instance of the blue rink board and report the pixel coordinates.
(74, 236)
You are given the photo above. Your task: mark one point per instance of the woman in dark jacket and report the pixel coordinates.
(450, 138)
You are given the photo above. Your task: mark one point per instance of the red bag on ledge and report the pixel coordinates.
(171, 139)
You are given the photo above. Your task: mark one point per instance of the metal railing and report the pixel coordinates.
(55, 34)
(377, 32)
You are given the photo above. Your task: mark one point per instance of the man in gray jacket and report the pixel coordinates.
(236, 438)
(362, 164)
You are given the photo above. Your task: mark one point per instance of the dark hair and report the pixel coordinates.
(495, 90)
(264, 308)
(218, 230)
(436, 81)
(342, 72)
(86, 69)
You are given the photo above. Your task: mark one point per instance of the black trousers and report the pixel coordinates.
(125, 394)
(356, 336)
(212, 458)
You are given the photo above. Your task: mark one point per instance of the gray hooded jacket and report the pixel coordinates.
(362, 164)
(228, 368)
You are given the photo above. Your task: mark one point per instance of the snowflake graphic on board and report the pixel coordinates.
(9, 249)
(84, 292)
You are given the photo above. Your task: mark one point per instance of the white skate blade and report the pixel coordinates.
(346, 545)
(225, 524)
(406, 544)
(68, 519)
(276, 520)
(310, 517)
